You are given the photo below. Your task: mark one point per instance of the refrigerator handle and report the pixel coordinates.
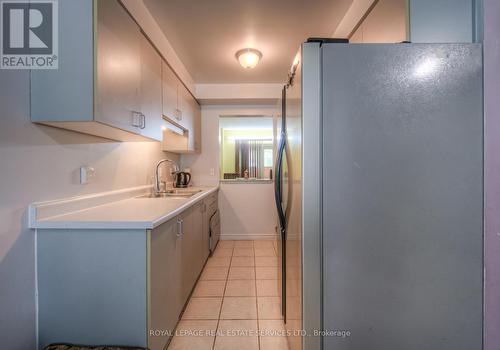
(278, 195)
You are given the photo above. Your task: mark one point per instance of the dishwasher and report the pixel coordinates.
(214, 230)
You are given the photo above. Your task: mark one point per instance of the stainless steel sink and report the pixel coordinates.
(175, 193)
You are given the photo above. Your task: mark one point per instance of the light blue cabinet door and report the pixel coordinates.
(118, 100)
(165, 288)
(170, 98)
(92, 287)
(151, 100)
(66, 93)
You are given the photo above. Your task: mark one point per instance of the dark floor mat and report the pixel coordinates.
(83, 347)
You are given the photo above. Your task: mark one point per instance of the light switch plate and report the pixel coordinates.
(87, 174)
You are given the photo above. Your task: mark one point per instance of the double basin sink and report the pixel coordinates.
(174, 193)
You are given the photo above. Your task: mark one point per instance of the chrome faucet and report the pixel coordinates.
(157, 176)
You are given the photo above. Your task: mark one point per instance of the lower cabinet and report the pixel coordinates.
(119, 287)
(178, 254)
(211, 204)
(190, 241)
(165, 282)
(206, 229)
(197, 254)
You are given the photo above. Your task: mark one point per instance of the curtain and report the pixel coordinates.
(249, 156)
(256, 158)
(237, 166)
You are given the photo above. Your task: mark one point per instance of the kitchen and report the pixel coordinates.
(155, 186)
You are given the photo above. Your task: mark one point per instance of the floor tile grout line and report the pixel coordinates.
(256, 297)
(222, 301)
(226, 282)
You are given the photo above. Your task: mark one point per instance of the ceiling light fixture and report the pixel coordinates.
(248, 58)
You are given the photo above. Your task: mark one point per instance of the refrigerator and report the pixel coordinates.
(380, 189)
(288, 192)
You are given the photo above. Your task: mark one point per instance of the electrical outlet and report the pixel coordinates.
(212, 172)
(87, 174)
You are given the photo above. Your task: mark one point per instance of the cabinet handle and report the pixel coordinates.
(180, 228)
(178, 114)
(143, 121)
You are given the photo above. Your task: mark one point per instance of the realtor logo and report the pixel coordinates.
(29, 34)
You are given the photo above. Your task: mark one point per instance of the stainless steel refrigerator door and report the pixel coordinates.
(293, 202)
(403, 196)
(311, 193)
(279, 170)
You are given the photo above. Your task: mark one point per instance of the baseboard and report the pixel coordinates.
(249, 236)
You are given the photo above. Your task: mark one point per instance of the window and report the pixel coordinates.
(268, 158)
(246, 147)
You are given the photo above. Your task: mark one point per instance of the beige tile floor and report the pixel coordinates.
(235, 304)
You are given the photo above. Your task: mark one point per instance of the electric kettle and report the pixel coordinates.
(181, 179)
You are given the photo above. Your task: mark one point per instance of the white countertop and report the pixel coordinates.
(129, 213)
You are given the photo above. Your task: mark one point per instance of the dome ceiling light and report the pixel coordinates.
(248, 58)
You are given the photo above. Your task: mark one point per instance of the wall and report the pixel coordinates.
(492, 172)
(247, 210)
(228, 152)
(41, 163)
(386, 23)
(238, 94)
(352, 17)
(442, 21)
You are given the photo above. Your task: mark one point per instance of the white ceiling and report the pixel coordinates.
(206, 34)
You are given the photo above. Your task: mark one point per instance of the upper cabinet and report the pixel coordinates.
(119, 69)
(182, 110)
(109, 79)
(194, 122)
(151, 91)
(170, 94)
